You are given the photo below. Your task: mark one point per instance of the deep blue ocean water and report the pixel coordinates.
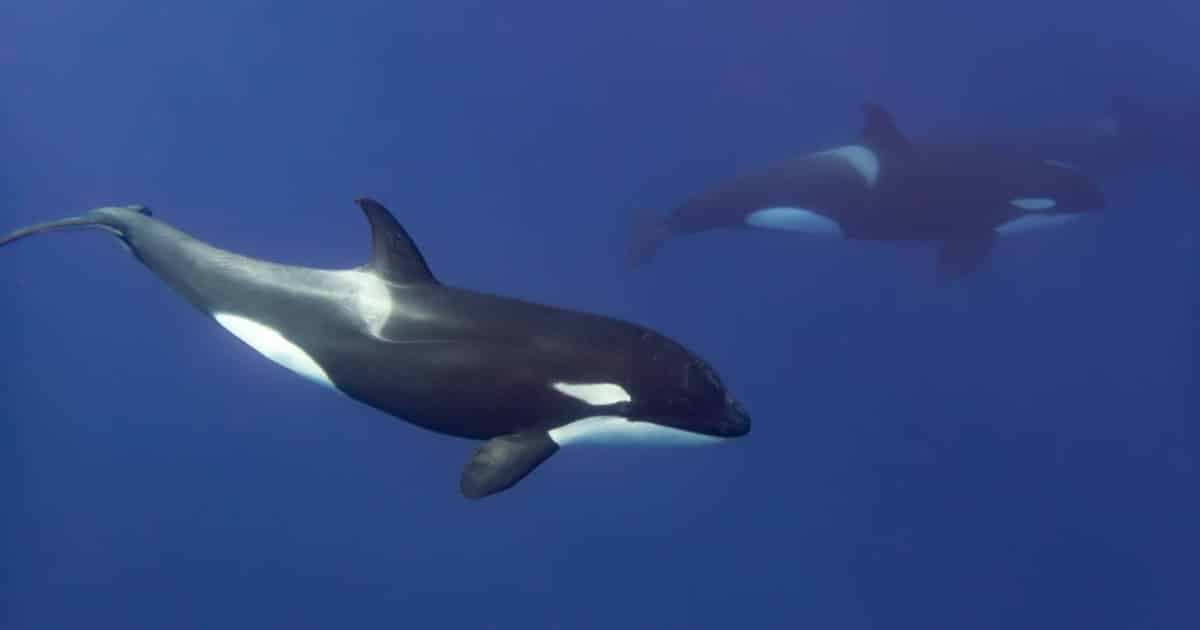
(1015, 451)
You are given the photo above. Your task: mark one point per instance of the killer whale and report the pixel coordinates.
(887, 187)
(1129, 135)
(527, 379)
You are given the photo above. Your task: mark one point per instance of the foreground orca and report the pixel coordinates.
(888, 188)
(527, 378)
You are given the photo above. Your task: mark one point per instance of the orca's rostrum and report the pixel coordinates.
(526, 378)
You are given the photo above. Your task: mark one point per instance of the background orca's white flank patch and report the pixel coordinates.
(620, 430)
(1032, 222)
(864, 161)
(793, 220)
(1033, 203)
(268, 342)
(597, 394)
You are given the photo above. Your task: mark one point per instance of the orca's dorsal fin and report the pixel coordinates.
(394, 255)
(880, 131)
(503, 461)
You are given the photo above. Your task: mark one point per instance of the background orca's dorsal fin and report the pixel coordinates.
(394, 256)
(880, 131)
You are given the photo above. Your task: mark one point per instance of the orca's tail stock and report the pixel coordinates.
(50, 226)
(104, 218)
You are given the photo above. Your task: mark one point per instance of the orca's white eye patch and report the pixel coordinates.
(789, 219)
(1033, 203)
(597, 394)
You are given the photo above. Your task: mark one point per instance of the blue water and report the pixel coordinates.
(1017, 451)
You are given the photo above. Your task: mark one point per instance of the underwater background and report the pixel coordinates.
(1017, 450)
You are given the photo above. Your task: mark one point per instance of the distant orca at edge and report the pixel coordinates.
(888, 188)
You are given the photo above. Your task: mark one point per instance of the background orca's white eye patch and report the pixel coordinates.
(1033, 203)
(790, 219)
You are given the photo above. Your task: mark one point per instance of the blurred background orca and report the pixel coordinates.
(1129, 134)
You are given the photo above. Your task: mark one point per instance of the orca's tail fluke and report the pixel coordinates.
(112, 219)
(649, 233)
(50, 226)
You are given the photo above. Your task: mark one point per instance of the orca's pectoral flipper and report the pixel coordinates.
(394, 255)
(503, 461)
(962, 256)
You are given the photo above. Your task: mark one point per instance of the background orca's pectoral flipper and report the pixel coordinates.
(959, 257)
(394, 255)
(503, 461)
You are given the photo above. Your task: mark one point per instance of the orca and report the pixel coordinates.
(1130, 135)
(528, 379)
(888, 188)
